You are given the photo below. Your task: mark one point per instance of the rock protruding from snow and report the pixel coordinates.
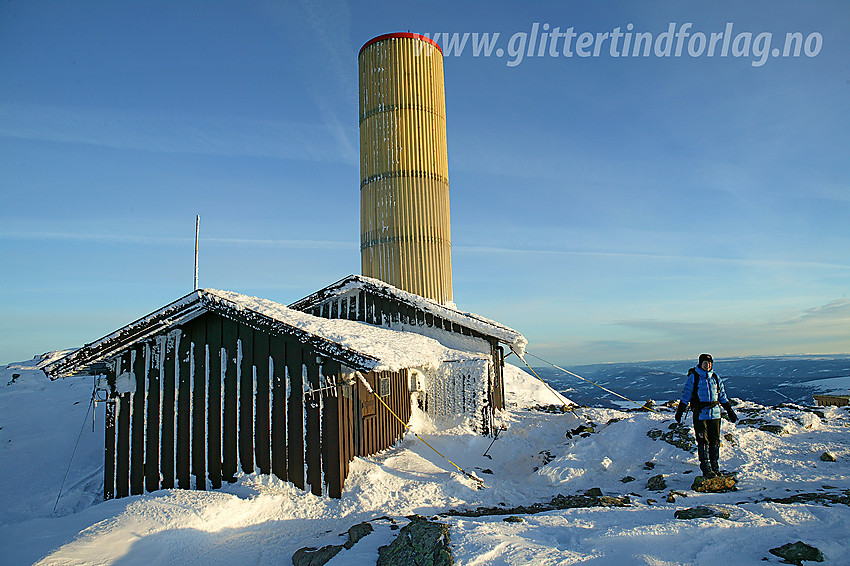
(797, 552)
(656, 483)
(590, 498)
(772, 428)
(421, 542)
(677, 435)
(720, 484)
(701, 512)
(311, 556)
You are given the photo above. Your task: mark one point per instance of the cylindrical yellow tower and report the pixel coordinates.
(405, 235)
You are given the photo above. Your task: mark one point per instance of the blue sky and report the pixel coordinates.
(610, 208)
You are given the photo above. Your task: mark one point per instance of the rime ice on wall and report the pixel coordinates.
(456, 391)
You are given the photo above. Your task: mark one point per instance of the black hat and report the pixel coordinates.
(704, 357)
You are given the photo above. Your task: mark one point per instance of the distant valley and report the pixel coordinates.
(764, 380)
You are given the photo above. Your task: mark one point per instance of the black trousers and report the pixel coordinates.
(707, 432)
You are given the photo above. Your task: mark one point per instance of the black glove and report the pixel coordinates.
(680, 411)
(730, 413)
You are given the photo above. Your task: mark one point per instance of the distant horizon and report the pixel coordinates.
(521, 365)
(719, 359)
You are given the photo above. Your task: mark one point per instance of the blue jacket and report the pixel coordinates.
(708, 391)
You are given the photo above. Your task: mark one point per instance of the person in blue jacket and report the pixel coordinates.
(705, 393)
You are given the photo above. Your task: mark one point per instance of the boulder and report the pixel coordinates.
(701, 512)
(796, 553)
(720, 484)
(677, 435)
(671, 497)
(420, 543)
(310, 556)
(828, 456)
(656, 483)
(357, 532)
(775, 429)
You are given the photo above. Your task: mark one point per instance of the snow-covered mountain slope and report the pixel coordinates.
(765, 380)
(785, 492)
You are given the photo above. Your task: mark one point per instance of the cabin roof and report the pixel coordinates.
(472, 321)
(358, 345)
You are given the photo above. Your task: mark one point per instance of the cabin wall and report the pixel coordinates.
(832, 400)
(477, 392)
(195, 406)
(367, 426)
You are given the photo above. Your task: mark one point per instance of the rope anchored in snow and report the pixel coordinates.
(557, 395)
(92, 401)
(583, 379)
(378, 397)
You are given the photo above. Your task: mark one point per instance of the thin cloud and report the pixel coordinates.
(173, 134)
(169, 241)
(831, 320)
(322, 31)
(837, 310)
(753, 262)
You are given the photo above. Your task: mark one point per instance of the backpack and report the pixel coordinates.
(696, 405)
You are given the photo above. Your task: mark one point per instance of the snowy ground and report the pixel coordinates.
(260, 520)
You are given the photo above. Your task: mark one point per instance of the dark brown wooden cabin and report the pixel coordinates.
(832, 400)
(212, 385)
(375, 302)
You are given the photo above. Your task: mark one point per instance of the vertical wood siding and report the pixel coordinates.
(214, 396)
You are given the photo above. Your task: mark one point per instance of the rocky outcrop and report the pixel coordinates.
(822, 498)
(797, 552)
(421, 542)
(311, 556)
(677, 435)
(701, 512)
(656, 483)
(590, 498)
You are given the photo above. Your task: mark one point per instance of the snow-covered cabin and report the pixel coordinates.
(218, 382)
(454, 388)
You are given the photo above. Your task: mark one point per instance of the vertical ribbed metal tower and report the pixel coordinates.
(405, 233)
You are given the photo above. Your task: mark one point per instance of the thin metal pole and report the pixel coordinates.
(197, 231)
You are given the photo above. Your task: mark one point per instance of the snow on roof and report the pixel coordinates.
(368, 347)
(485, 326)
(392, 350)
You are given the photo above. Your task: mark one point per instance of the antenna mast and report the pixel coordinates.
(197, 232)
